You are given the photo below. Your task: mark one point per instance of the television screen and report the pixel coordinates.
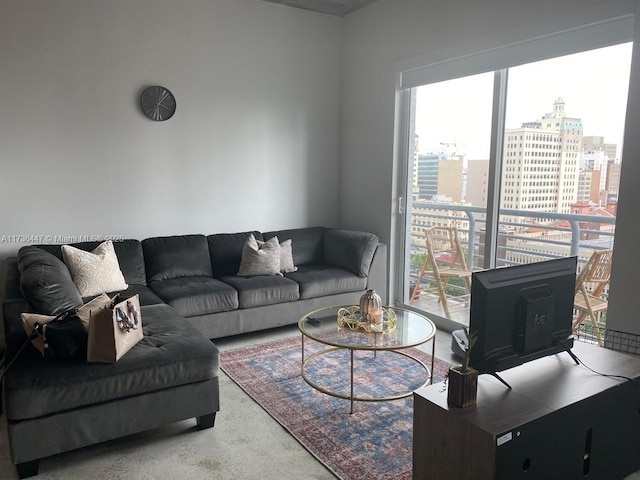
(521, 313)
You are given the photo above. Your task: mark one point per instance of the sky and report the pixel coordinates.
(593, 85)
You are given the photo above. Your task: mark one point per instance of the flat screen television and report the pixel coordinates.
(521, 313)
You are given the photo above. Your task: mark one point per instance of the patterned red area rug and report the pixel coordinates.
(375, 442)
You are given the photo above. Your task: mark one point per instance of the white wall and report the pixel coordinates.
(254, 143)
(258, 140)
(389, 35)
(624, 300)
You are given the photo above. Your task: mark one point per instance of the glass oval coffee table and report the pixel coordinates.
(328, 327)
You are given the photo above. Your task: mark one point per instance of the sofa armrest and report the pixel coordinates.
(12, 281)
(377, 279)
(13, 304)
(350, 249)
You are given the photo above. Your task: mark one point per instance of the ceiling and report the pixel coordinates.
(339, 8)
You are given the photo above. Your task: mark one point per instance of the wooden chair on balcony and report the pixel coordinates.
(591, 301)
(445, 261)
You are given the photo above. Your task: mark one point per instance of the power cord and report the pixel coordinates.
(579, 361)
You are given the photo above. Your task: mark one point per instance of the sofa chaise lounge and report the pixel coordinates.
(190, 293)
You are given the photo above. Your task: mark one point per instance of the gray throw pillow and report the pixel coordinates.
(260, 258)
(45, 282)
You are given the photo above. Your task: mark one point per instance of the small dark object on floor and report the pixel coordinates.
(457, 339)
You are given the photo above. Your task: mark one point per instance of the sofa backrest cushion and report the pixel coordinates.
(306, 243)
(350, 249)
(175, 257)
(225, 250)
(45, 282)
(129, 253)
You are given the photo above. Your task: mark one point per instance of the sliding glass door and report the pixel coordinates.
(539, 144)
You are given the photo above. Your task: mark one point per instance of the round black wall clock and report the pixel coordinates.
(158, 103)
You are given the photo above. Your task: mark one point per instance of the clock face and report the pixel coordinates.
(158, 103)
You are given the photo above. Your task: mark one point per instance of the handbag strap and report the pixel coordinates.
(37, 330)
(7, 364)
(61, 317)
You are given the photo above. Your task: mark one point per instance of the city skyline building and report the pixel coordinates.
(614, 171)
(596, 143)
(440, 175)
(588, 187)
(541, 163)
(595, 161)
(534, 168)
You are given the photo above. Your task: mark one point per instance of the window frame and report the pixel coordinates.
(415, 72)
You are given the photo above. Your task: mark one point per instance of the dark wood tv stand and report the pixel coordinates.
(559, 420)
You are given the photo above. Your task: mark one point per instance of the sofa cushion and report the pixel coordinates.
(147, 297)
(129, 253)
(350, 249)
(172, 353)
(45, 282)
(260, 258)
(94, 272)
(192, 296)
(176, 256)
(320, 280)
(307, 243)
(262, 290)
(225, 250)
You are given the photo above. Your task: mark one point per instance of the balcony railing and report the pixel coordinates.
(523, 236)
(521, 233)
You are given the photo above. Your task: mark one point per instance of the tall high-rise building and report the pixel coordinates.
(477, 182)
(593, 143)
(450, 178)
(613, 179)
(439, 175)
(595, 160)
(541, 163)
(427, 175)
(588, 186)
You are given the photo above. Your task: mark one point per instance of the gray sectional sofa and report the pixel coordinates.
(190, 294)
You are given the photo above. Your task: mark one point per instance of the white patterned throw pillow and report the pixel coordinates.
(286, 257)
(260, 258)
(94, 272)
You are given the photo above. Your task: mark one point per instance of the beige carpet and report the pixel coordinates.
(245, 444)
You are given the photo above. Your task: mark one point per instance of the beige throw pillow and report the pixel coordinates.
(260, 258)
(286, 257)
(94, 272)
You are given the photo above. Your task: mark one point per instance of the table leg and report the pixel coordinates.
(433, 356)
(351, 351)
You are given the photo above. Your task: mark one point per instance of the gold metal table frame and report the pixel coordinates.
(415, 330)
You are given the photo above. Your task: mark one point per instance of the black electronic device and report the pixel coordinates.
(521, 313)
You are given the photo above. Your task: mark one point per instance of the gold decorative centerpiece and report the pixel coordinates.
(370, 306)
(371, 310)
(352, 318)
